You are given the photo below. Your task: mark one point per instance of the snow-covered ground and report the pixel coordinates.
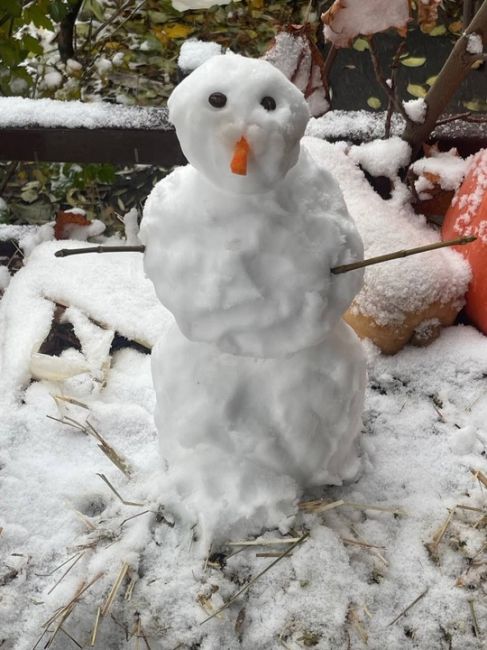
(68, 541)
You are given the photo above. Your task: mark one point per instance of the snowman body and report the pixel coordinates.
(259, 382)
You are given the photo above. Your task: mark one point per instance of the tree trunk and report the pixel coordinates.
(454, 71)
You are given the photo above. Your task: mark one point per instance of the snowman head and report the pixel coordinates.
(239, 122)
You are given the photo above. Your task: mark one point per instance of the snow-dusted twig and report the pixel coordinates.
(402, 253)
(65, 252)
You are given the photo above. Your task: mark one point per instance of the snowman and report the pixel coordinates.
(259, 383)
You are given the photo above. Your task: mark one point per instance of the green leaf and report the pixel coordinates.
(439, 30)
(414, 61)
(31, 44)
(57, 10)
(12, 8)
(475, 105)
(10, 53)
(360, 44)
(21, 73)
(416, 90)
(35, 14)
(431, 80)
(374, 102)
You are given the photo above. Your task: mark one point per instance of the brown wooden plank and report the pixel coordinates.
(118, 146)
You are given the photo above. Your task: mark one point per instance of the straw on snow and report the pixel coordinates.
(117, 459)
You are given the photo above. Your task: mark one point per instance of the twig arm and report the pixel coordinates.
(402, 253)
(66, 252)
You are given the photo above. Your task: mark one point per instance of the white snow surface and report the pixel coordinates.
(111, 289)
(21, 112)
(194, 52)
(417, 461)
(382, 157)
(243, 263)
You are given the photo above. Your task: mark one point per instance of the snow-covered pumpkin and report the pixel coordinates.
(466, 216)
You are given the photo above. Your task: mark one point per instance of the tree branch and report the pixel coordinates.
(453, 72)
(65, 37)
(379, 75)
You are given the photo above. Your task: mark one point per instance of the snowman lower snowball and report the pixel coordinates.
(259, 382)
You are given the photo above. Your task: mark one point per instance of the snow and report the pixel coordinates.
(21, 112)
(344, 21)
(352, 125)
(194, 52)
(447, 168)
(475, 44)
(416, 461)
(440, 276)
(366, 558)
(416, 109)
(291, 54)
(243, 263)
(98, 289)
(382, 157)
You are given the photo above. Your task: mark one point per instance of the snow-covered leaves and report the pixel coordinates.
(295, 54)
(346, 19)
(184, 5)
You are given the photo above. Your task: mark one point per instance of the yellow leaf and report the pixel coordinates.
(178, 30)
(456, 27)
(439, 30)
(374, 102)
(475, 105)
(360, 44)
(256, 4)
(431, 80)
(160, 34)
(416, 91)
(413, 61)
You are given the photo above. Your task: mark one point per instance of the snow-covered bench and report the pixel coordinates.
(71, 131)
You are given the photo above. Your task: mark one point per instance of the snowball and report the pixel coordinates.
(416, 109)
(73, 66)
(475, 44)
(103, 65)
(52, 79)
(194, 52)
(382, 157)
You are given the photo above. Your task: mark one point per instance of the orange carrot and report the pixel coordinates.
(240, 157)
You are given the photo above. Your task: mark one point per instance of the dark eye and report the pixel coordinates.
(269, 103)
(217, 100)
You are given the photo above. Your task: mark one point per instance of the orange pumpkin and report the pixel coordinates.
(466, 216)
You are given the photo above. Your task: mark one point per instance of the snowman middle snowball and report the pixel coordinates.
(259, 383)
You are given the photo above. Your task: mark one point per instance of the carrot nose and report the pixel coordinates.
(240, 157)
